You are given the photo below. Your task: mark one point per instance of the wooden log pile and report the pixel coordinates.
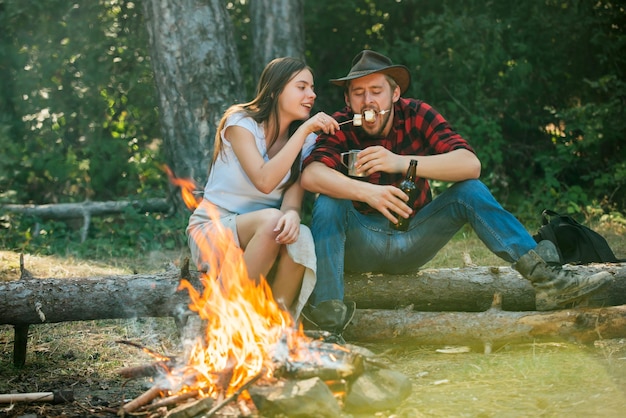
(431, 306)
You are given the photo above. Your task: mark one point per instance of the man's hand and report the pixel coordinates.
(388, 200)
(377, 158)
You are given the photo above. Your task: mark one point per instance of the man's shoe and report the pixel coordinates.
(556, 288)
(332, 316)
(548, 251)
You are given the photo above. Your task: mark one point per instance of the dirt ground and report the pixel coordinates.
(552, 379)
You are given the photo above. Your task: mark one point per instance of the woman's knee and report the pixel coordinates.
(267, 222)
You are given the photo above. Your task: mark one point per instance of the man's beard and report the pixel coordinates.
(379, 132)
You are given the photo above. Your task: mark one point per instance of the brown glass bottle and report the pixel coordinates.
(407, 186)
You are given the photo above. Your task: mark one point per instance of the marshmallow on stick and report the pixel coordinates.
(369, 115)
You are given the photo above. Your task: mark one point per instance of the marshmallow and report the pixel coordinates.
(370, 115)
(357, 120)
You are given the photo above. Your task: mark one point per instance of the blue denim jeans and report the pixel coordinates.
(347, 240)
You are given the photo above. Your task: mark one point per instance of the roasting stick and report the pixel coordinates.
(52, 397)
(370, 115)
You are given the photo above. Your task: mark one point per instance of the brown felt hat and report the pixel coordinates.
(369, 62)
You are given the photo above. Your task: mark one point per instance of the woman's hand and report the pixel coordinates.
(321, 122)
(288, 227)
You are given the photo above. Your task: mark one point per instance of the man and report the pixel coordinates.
(351, 216)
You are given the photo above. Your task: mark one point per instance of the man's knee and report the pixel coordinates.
(471, 186)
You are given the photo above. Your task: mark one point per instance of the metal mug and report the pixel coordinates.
(351, 164)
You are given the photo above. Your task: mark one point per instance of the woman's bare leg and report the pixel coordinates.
(288, 279)
(258, 240)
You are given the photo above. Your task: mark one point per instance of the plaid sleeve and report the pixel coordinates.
(328, 148)
(438, 135)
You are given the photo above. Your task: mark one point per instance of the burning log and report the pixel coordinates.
(192, 410)
(311, 381)
(330, 362)
(170, 401)
(141, 400)
(236, 394)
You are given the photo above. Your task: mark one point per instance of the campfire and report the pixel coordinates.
(246, 355)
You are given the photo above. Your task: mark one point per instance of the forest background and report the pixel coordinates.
(537, 87)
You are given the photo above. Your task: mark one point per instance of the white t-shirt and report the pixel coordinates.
(228, 186)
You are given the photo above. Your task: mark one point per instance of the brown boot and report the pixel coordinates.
(556, 288)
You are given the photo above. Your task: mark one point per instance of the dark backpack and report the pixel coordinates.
(576, 243)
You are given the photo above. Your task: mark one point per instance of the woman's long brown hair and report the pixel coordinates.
(264, 106)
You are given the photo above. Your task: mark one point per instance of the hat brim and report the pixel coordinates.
(400, 73)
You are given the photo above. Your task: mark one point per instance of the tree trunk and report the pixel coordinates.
(277, 31)
(197, 74)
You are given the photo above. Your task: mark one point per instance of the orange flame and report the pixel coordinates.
(187, 187)
(244, 325)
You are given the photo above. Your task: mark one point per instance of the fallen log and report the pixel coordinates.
(31, 301)
(492, 327)
(49, 300)
(471, 289)
(467, 289)
(46, 300)
(81, 209)
(87, 209)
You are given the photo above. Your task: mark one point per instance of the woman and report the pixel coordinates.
(254, 180)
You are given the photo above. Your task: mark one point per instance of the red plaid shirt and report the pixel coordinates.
(418, 129)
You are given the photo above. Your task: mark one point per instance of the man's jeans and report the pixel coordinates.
(346, 239)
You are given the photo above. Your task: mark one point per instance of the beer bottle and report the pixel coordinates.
(407, 186)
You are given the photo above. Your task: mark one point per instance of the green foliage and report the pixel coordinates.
(85, 98)
(502, 74)
(122, 235)
(537, 87)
